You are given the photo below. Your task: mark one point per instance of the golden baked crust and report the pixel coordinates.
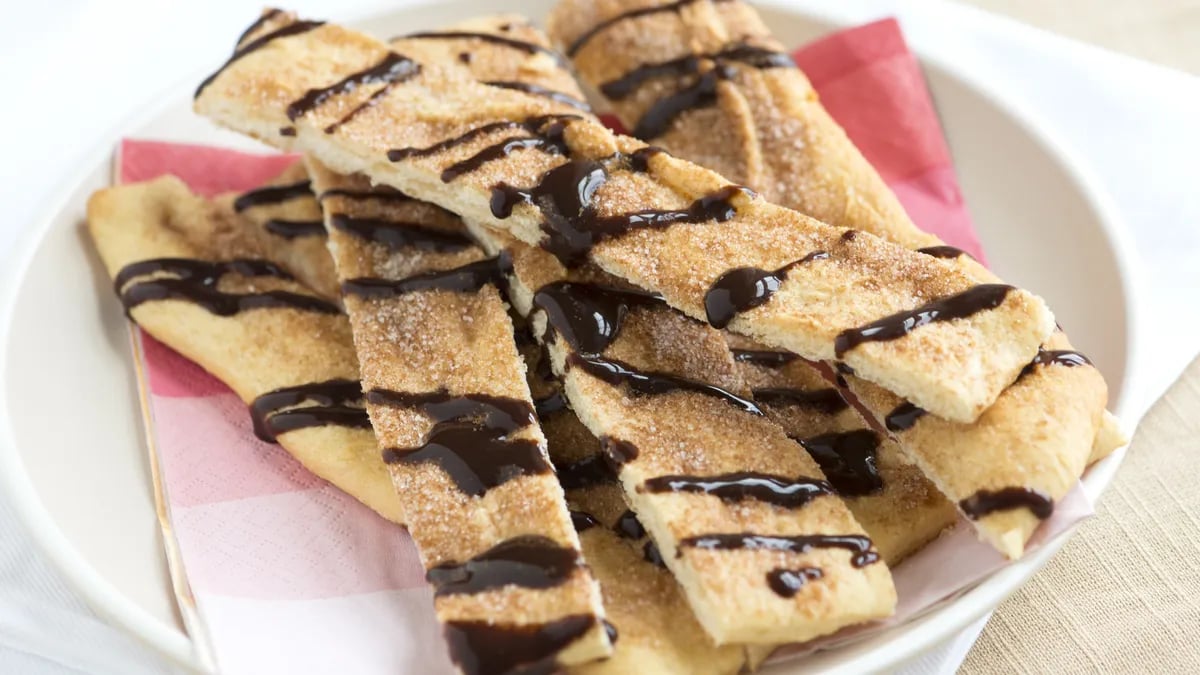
(901, 511)
(453, 347)
(953, 367)
(254, 352)
(763, 127)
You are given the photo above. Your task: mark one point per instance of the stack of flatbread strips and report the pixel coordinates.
(643, 408)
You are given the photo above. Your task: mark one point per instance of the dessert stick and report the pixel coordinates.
(191, 273)
(706, 80)
(656, 630)
(899, 508)
(763, 548)
(796, 154)
(898, 318)
(446, 391)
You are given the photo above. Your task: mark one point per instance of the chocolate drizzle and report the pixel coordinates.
(272, 194)
(470, 438)
(196, 281)
(986, 502)
(572, 225)
(745, 288)
(526, 562)
(848, 460)
(547, 405)
(267, 15)
(628, 526)
(587, 472)
(468, 278)
(1054, 357)
(624, 16)
(756, 57)
(617, 452)
(398, 235)
(544, 92)
(615, 372)
(652, 555)
(484, 648)
(763, 357)
(522, 45)
(582, 520)
(949, 252)
(291, 229)
(336, 403)
(859, 546)
(788, 493)
(589, 316)
(549, 126)
(294, 28)
(390, 71)
(828, 401)
(959, 306)
(378, 193)
(546, 134)
(787, 583)
(903, 417)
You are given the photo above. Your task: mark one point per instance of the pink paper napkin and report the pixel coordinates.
(291, 575)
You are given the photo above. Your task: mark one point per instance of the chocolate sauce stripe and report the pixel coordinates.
(740, 486)
(328, 396)
(763, 357)
(532, 126)
(470, 438)
(583, 39)
(959, 306)
(744, 288)
(564, 195)
(528, 561)
(615, 372)
(848, 460)
(292, 229)
(631, 81)
(391, 69)
(469, 278)
(394, 234)
(544, 92)
(589, 316)
(485, 648)
(272, 194)
(527, 47)
(858, 545)
(828, 401)
(987, 502)
(294, 28)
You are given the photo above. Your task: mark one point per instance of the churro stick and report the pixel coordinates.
(898, 318)
(782, 142)
(452, 412)
(191, 273)
(897, 506)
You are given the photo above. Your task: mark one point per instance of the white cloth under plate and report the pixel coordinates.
(70, 69)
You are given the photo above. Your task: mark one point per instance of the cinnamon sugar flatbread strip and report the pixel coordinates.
(780, 140)
(191, 274)
(447, 395)
(764, 550)
(706, 80)
(899, 508)
(656, 630)
(435, 133)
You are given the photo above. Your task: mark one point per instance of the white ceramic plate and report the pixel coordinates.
(72, 452)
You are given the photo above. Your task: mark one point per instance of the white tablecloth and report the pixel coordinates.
(70, 70)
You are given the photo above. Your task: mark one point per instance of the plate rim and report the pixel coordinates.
(954, 615)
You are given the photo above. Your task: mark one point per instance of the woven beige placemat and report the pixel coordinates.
(1123, 596)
